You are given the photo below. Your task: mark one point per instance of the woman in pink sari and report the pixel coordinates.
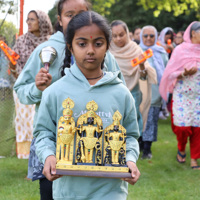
(182, 78)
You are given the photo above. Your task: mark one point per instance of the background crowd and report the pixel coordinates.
(166, 84)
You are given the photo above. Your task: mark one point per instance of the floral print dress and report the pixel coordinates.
(186, 101)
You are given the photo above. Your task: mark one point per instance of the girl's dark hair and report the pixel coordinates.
(60, 8)
(169, 32)
(119, 22)
(57, 27)
(195, 27)
(86, 18)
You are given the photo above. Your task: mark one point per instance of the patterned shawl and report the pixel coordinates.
(26, 43)
(185, 55)
(124, 55)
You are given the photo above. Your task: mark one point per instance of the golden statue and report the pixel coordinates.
(65, 133)
(115, 142)
(89, 129)
(84, 156)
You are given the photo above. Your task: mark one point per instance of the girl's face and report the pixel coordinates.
(178, 38)
(69, 10)
(119, 36)
(89, 47)
(148, 37)
(167, 37)
(33, 24)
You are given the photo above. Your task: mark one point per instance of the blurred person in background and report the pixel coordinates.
(39, 30)
(125, 50)
(148, 39)
(181, 78)
(131, 35)
(5, 79)
(136, 34)
(178, 39)
(166, 40)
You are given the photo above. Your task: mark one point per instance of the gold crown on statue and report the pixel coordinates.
(116, 118)
(91, 107)
(68, 104)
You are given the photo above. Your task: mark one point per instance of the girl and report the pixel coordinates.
(34, 78)
(166, 34)
(179, 38)
(87, 38)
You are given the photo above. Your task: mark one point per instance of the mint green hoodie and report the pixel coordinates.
(111, 95)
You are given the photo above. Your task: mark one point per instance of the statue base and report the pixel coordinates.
(93, 171)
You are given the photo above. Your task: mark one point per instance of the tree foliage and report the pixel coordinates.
(7, 6)
(53, 14)
(177, 7)
(8, 30)
(135, 15)
(100, 6)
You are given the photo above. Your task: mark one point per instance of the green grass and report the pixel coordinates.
(13, 185)
(162, 178)
(7, 132)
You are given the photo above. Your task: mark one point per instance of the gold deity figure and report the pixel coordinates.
(89, 129)
(115, 142)
(65, 133)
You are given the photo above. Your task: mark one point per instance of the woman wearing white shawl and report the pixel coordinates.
(165, 34)
(140, 89)
(148, 39)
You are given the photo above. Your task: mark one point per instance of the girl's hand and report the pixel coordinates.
(43, 79)
(135, 173)
(50, 168)
(170, 47)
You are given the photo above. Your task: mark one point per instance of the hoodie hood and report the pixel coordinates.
(58, 37)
